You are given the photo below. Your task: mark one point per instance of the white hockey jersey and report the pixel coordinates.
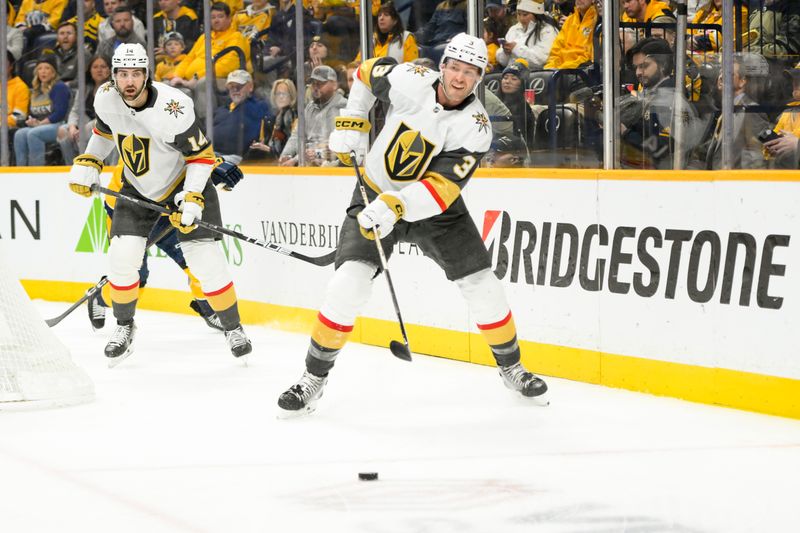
(157, 141)
(422, 143)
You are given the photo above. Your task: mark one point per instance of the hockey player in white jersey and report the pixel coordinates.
(167, 160)
(433, 139)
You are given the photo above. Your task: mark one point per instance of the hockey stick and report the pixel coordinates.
(100, 284)
(323, 260)
(398, 349)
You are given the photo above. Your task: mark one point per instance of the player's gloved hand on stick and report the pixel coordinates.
(190, 208)
(383, 212)
(84, 173)
(226, 174)
(351, 134)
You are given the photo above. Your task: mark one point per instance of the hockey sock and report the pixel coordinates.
(501, 337)
(224, 304)
(194, 285)
(346, 294)
(123, 300)
(487, 304)
(327, 340)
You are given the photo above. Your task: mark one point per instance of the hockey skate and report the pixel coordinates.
(204, 310)
(527, 384)
(97, 313)
(238, 342)
(120, 346)
(301, 398)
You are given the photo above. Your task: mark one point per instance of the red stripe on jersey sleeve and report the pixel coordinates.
(432, 190)
(201, 161)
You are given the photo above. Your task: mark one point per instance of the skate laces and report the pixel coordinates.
(97, 310)
(236, 337)
(214, 321)
(121, 334)
(516, 375)
(308, 386)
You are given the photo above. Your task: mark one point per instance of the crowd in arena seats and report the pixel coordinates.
(544, 69)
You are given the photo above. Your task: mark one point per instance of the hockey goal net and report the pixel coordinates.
(36, 369)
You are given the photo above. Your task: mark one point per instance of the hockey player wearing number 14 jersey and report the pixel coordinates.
(434, 136)
(167, 160)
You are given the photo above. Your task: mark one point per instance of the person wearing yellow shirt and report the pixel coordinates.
(193, 68)
(574, 45)
(11, 13)
(92, 19)
(174, 18)
(784, 149)
(391, 38)
(648, 11)
(40, 12)
(254, 18)
(173, 48)
(711, 13)
(18, 94)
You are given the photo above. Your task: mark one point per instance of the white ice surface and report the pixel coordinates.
(183, 438)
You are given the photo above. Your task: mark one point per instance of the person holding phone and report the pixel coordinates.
(782, 150)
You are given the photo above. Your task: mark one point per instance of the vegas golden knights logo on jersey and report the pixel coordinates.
(407, 154)
(135, 153)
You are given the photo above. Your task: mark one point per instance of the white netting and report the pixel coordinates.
(36, 369)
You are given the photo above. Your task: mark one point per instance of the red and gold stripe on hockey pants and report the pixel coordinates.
(124, 294)
(328, 334)
(222, 299)
(500, 332)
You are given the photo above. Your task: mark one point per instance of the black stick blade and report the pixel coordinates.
(400, 350)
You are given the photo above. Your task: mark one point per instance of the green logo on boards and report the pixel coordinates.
(94, 237)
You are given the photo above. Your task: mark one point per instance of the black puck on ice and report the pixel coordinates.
(367, 476)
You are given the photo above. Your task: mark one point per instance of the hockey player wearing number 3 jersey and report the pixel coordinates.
(434, 136)
(167, 160)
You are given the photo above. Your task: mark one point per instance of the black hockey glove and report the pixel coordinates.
(226, 174)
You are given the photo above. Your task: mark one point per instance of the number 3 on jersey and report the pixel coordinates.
(464, 169)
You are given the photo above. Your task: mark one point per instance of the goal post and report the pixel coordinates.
(36, 369)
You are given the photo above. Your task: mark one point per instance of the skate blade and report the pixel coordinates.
(115, 361)
(284, 414)
(245, 360)
(543, 400)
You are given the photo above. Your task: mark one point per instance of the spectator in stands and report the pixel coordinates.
(531, 38)
(99, 72)
(499, 115)
(319, 114)
(38, 19)
(122, 22)
(105, 30)
(284, 101)
(711, 13)
(506, 152)
(647, 11)
(44, 13)
(511, 93)
(646, 116)
(66, 53)
(15, 39)
(19, 98)
(574, 46)
(491, 34)
(254, 18)
(318, 54)
(91, 25)
(238, 125)
(193, 68)
(48, 109)
(448, 19)
(174, 18)
(281, 40)
(775, 30)
(390, 38)
(499, 15)
(782, 150)
(349, 72)
(747, 149)
(173, 55)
